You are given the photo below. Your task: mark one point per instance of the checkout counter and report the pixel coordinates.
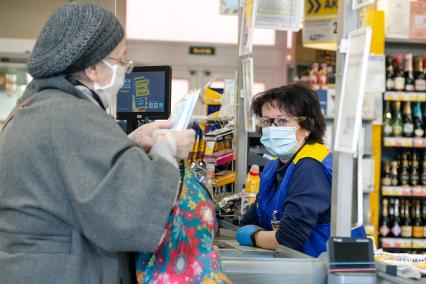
(249, 265)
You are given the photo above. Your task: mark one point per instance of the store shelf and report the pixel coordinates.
(405, 41)
(404, 191)
(405, 96)
(405, 243)
(404, 142)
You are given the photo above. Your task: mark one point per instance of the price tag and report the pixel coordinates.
(418, 142)
(405, 190)
(406, 142)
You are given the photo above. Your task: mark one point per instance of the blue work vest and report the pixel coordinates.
(269, 199)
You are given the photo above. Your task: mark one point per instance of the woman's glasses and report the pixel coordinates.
(127, 64)
(279, 121)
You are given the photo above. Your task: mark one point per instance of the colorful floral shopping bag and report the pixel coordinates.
(186, 254)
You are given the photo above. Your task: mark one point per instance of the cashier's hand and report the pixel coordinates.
(143, 136)
(244, 234)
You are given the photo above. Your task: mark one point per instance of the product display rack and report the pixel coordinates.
(391, 149)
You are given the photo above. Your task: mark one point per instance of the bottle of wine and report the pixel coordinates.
(386, 178)
(384, 227)
(424, 218)
(399, 73)
(419, 75)
(394, 173)
(390, 83)
(417, 224)
(387, 120)
(409, 75)
(407, 225)
(404, 177)
(396, 227)
(417, 120)
(415, 172)
(397, 120)
(408, 126)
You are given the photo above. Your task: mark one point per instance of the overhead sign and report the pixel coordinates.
(320, 9)
(202, 50)
(320, 32)
(353, 89)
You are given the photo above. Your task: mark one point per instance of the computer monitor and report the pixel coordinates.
(146, 94)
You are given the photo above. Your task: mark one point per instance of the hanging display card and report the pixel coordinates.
(247, 94)
(352, 94)
(279, 14)
(246, 29)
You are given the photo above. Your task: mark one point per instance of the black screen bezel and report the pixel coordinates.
(167, 96)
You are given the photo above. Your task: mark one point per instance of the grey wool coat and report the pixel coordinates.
(75, 192)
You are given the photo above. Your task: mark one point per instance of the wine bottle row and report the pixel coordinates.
(403, 218)
(405, 123)
(409, 168)
(401, 76)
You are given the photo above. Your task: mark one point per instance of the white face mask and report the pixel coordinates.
(108, 92)
(281, 141)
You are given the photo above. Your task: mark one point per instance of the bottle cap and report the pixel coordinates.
(254, 170)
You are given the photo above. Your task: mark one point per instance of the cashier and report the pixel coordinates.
(293, 205)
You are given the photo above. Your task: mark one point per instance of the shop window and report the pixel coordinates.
(186, 21)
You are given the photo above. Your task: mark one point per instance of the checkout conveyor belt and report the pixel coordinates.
(254, 265)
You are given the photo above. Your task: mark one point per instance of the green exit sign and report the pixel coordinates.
(202, 50)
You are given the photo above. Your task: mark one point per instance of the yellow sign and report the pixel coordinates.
(320, 9)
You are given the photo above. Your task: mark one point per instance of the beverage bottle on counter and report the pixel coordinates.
(396, 227)
(387, 120)
(407, 225)
(408, 126)
(397, 120)
(418, 224)
(404, 176)
(390, 83)
(386, 178)
(394, 173)
(419, 74)
(415, 172)
(409, 75)
(399, 78)
(384, 227)
(248, 196)
(417, 120)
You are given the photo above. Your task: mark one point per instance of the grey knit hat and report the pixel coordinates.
(76, 36)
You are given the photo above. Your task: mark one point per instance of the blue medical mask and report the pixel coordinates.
(280, 141)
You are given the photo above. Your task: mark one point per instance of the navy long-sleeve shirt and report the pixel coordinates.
(307, 204)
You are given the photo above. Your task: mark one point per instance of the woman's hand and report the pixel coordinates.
(143, 136)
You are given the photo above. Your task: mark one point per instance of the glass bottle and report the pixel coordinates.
(417, 120)
(419, 75)
(390, 83)
(397, 120)
(404, 177)
(394, 173)
(424, 218)
(396, 227)
(386, 177)
(384, 227)
(409, 75)
(417, 224)
(415, 172)
(408, 126)
(387, 120)
(399, 73)
(407, 226)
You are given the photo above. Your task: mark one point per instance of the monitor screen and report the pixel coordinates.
(146, 94)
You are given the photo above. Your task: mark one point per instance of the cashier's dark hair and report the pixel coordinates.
(297, 100)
